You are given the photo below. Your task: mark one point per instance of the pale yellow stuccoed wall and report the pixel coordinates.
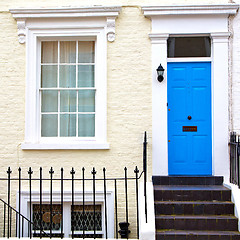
(129, 90)
(129, 93)
(129, 101)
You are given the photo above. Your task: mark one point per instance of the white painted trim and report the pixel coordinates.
(109, 13)
(159, 106)
(158, 38)
(75, 29)
(67, 198)
(221, 164)
(190, 59)
(220, 37)
(235, 197)
(48, 146)
(94, 11)
(146, 230)
(151, 11)
(215, 26)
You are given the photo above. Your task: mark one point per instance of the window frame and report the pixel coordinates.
(67, 200)
(96, 113)
(67, 220)
(35, 35)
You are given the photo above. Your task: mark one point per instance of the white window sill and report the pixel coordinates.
(53, 146)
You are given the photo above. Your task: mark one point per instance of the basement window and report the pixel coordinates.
(189, 47)
(73, 218)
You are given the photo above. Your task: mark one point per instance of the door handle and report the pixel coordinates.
(189, 117)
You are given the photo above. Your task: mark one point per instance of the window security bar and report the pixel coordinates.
(87, 219)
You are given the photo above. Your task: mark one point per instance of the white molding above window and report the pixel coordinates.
(109, 12)
(151, 11)
(35, 25)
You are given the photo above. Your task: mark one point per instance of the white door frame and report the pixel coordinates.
(191, 21)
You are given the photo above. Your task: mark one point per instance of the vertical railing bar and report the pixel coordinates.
(61, 202)
(9, 187)
(105, 200)
(83, 186)
(126, 196)
(28, 223)
(4, 221)
(30, 172)
(51, 190)
(145, 171)
(136, 171)
(234, 160)
(238, 155)
(22, 226)
(41, 213)
(16, 229)
(19, 201)
(126, 199)
(10, 222)
(116, 211)
(94, 202)
(72, 172)
(230, 147)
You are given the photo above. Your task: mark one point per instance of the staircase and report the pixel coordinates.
(194, 208)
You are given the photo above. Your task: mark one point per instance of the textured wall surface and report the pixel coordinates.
(129, 98)
(128, 101)
(234, 82)
(129, 90)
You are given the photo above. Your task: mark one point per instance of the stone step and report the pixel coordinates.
(191, 193)
(187, 180)
(193, 208)
(197, 235)
(198, 223)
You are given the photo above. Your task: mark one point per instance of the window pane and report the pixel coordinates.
(86, 101)
(68, 101)
(68, 52)
(189, 47)
(86, 76)
(45, 219)
(86, 52)
(67, 76)
(86, 125)
(50, 52)
(49, 101)
(68, 125)
(49, 76)
(78, 218)
(49, 125)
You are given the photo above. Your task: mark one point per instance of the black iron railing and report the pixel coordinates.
(46, 218)
(234, 146)
(19, 218)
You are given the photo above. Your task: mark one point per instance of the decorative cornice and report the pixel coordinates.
(158, 38)
(220, 37)
(151, 11)
(98, 11)
(111, 29)
(22, 15)
(21, 30)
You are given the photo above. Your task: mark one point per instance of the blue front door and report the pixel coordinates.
(189, 118)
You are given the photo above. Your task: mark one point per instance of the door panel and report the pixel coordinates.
(189, 104)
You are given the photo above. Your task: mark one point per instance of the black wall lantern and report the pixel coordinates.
(160, 72)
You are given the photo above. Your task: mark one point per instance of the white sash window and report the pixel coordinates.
(66, 75)
(67, 89)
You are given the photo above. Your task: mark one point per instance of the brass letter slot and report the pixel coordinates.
(189, 128)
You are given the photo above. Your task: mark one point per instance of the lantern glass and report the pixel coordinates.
(160, 70)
